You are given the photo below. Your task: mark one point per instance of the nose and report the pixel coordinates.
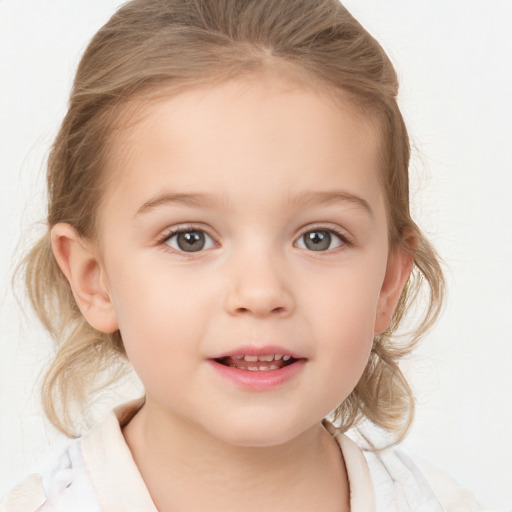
(258, 287)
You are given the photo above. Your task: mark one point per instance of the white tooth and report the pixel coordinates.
(253, 368)
(286, 358)
(250, 358)
(273, 367)
(233, 366)
(237, 358)
(265, 358)
(277, 357)
(264, 368)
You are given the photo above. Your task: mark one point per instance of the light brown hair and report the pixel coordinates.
(150, 46)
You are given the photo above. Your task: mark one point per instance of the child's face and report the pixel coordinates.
(285, 251)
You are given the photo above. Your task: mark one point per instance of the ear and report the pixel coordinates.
(80, 263)
(398, 270)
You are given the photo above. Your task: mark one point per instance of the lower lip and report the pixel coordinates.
(261, 380)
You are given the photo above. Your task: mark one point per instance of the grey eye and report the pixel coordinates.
(190, 241)
(320, 240)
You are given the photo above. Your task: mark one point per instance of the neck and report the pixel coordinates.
(183, 465)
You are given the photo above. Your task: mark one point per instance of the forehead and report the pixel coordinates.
(269, 131)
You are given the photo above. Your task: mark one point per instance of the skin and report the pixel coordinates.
(253, 147)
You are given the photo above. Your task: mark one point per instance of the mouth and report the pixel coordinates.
(262, 368)
(253, 363)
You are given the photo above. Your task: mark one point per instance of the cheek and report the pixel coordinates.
(154, 314)
(343, 318)
(346, 300)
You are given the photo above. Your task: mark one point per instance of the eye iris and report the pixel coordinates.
(318, 240)
(191, 241)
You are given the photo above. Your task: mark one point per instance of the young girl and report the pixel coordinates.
(229, 213)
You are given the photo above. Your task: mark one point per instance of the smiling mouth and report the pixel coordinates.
(257, 363)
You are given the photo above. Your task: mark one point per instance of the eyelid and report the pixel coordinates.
(184, 228)
(176, 230)
(345, 238)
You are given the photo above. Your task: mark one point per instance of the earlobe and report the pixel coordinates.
(398, 270)
(83, 269)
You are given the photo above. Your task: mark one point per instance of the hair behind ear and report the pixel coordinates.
(383, 394)
(86, 359)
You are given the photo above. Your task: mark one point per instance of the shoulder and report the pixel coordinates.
(419, 487)
(63, 487)
(391, 481)
(96, 469)
(28, 496)
(452, 497)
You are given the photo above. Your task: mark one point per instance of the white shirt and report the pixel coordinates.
(97, 473)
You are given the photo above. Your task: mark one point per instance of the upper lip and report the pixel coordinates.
(253, 350)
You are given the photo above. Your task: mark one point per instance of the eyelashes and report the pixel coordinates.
(320, 240)
(191, 239)
(188, 240)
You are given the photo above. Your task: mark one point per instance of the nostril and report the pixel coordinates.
(259, 298)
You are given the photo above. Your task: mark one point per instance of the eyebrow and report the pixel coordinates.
(191, 199)
(304, 199)
(331, 196)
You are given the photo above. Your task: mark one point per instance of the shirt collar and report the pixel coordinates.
(115, 477)
(121, 488)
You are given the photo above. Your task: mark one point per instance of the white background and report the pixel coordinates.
(454, 60)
